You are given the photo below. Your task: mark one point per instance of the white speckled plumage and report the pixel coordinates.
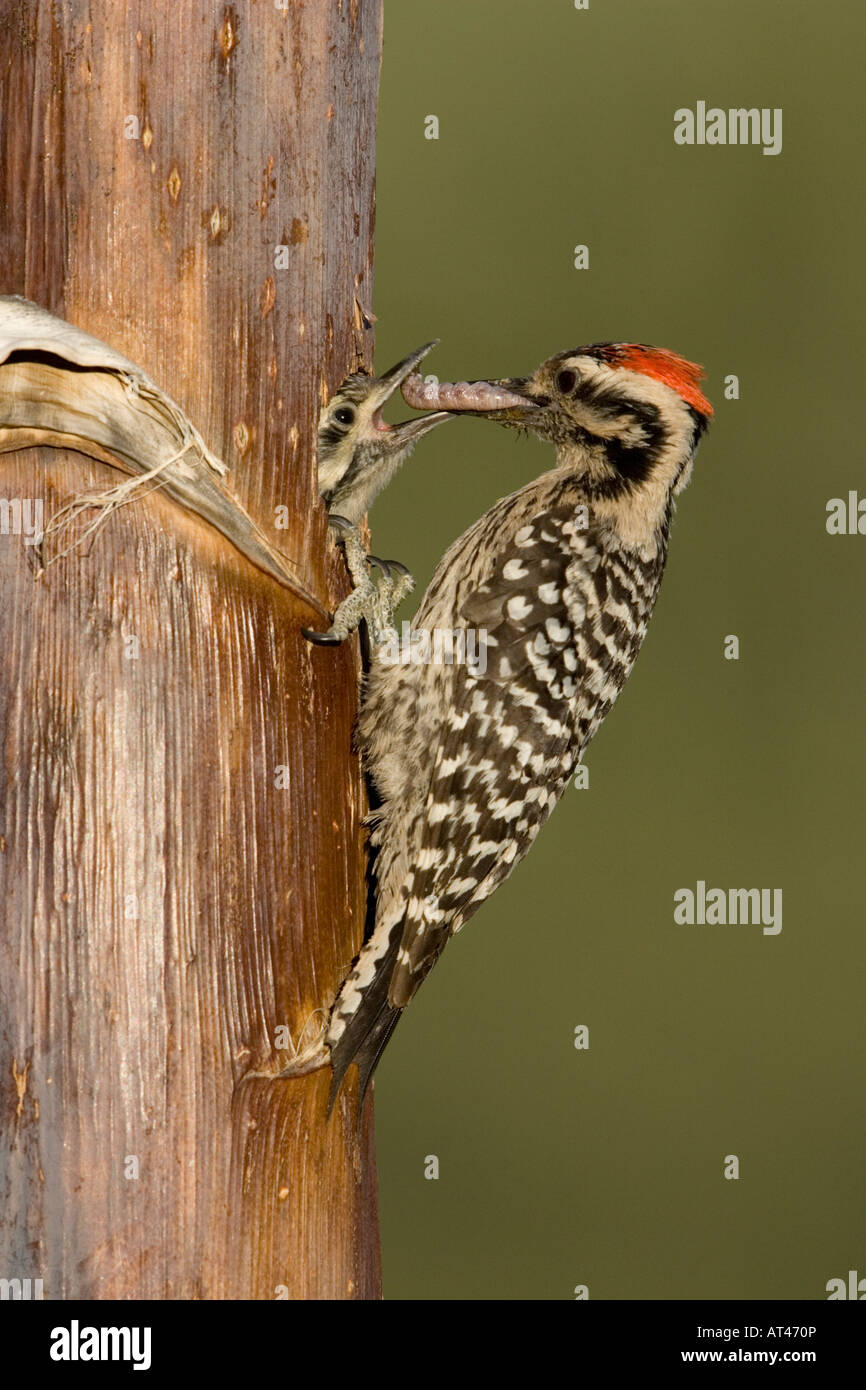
(562, 576)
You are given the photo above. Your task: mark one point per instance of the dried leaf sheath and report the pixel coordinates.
(61, 386)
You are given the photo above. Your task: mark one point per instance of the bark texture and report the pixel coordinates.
(168, 897)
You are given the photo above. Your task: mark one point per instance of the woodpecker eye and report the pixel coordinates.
(565, 381)
(345, 415)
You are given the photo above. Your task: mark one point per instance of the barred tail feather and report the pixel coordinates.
(363, 1033)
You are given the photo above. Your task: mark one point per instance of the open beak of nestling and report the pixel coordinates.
(506, 400)
(398, 437)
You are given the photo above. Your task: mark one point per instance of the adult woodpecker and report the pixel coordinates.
(358, 455)
(561, 576)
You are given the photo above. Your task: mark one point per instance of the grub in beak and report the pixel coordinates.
(481, 397)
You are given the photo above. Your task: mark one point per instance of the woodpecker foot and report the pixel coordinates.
(309, 1053)
(372, 602)
(392, 592)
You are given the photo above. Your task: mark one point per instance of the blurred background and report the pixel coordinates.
(605, 1167)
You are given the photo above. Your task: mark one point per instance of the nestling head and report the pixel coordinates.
(358, 451)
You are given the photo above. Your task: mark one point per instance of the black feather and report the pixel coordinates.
(369, 1028)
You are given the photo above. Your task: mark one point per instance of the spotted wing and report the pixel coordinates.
(507, 747)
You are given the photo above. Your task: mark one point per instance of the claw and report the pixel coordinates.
(369, 602)
(401, 583)
(400, 568)
(321, 639)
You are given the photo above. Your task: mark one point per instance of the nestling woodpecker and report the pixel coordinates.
(562, 577)
(358, 452)
(358, 455)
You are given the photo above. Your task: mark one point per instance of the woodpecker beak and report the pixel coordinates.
(395, 438)
(523, 409)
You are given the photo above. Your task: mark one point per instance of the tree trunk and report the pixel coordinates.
(170, 898)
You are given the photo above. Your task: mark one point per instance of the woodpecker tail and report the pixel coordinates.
(362, 1020)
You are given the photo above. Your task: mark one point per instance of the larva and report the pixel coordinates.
(457, 395)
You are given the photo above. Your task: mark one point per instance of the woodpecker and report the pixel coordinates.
(358, 455)
(558, 580)
(358, 452)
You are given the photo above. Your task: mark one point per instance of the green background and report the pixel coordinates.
(605, 1167)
